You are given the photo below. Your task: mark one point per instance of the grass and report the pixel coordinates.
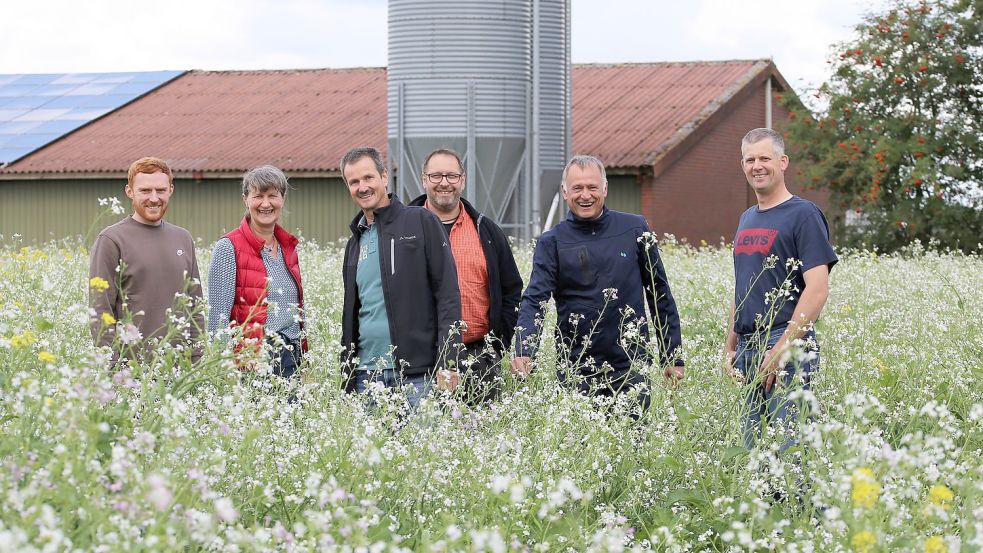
(166, 455)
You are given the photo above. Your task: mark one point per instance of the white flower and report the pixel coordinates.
(453, 532)
(500, 483)
(128, 333)
(158, 495)
(225, 510)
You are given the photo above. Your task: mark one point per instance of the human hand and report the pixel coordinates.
(770, 366)
(448, 380)
(521, 366)
(674, 374)
(728, 367)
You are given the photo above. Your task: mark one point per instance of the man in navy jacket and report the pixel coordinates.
(601, 267)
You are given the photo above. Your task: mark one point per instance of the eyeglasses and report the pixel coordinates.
(435, 178)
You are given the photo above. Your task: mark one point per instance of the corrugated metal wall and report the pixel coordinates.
(551, 120)
(40, 210)
(624, 194)
(317, 208)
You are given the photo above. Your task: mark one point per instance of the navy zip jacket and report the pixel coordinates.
(574, 263)
(419, 284)
(504, 281)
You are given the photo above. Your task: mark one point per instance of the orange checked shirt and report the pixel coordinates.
(472, 277)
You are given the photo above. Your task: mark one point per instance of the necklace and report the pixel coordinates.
(270, 248)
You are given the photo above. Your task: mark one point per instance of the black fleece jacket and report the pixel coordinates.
(504, 281)
(419, 284)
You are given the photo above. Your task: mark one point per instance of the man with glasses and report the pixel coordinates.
(601, 267)
(486, 273)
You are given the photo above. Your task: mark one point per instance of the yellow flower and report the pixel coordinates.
(108, 319)
(940, 496)
(935, 544)
(23, 340)
(866, 490)
(863, 541)
(98, 284)
(46, 357)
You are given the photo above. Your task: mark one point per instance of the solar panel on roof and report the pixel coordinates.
(37, 109)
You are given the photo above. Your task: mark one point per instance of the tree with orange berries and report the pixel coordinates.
(896, 133)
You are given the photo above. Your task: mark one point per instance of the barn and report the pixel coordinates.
(668, 132)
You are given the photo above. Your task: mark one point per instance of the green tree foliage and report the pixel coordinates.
(899, 136)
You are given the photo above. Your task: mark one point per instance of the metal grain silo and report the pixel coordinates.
(462, 75)
(552, 93)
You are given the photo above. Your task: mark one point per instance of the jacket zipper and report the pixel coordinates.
(385, 283)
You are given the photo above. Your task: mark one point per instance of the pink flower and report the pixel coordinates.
(129, 333)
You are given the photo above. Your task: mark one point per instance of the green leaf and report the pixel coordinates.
(43, 325)
(733, 452)
(691, 498)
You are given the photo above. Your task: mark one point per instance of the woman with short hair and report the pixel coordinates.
(254, 281)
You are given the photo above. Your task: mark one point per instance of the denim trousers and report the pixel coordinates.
(286, 358)
(481, 373)
(774, 407)
(415, 387)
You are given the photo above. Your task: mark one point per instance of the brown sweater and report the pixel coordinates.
(156, 261)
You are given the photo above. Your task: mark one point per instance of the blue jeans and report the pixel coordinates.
(415, 388)
(286, 358)
(773, 407)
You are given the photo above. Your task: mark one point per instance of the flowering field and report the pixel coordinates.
(163, 456)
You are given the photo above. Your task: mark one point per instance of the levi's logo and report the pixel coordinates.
(755, 240)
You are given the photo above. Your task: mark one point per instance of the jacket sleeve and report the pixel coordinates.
(511, 282)
(349, 321)
(447, 295)
(221, 285)
(104, 260)
(662, 305)
(542, 285)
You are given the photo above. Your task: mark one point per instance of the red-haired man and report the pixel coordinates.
(146, 268)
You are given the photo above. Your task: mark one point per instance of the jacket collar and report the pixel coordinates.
(590, 224)
(385, 214)
(472, 211)
(285, 239)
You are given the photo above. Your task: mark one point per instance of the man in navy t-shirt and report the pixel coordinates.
(782, 260)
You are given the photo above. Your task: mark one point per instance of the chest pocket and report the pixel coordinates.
(405, 251)
(576, 268)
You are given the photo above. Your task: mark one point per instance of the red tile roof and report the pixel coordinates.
(629, 114)
(305, 120)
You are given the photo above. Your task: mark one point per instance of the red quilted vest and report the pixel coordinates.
(248, 308)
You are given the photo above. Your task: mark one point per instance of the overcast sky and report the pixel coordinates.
(56, 36)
